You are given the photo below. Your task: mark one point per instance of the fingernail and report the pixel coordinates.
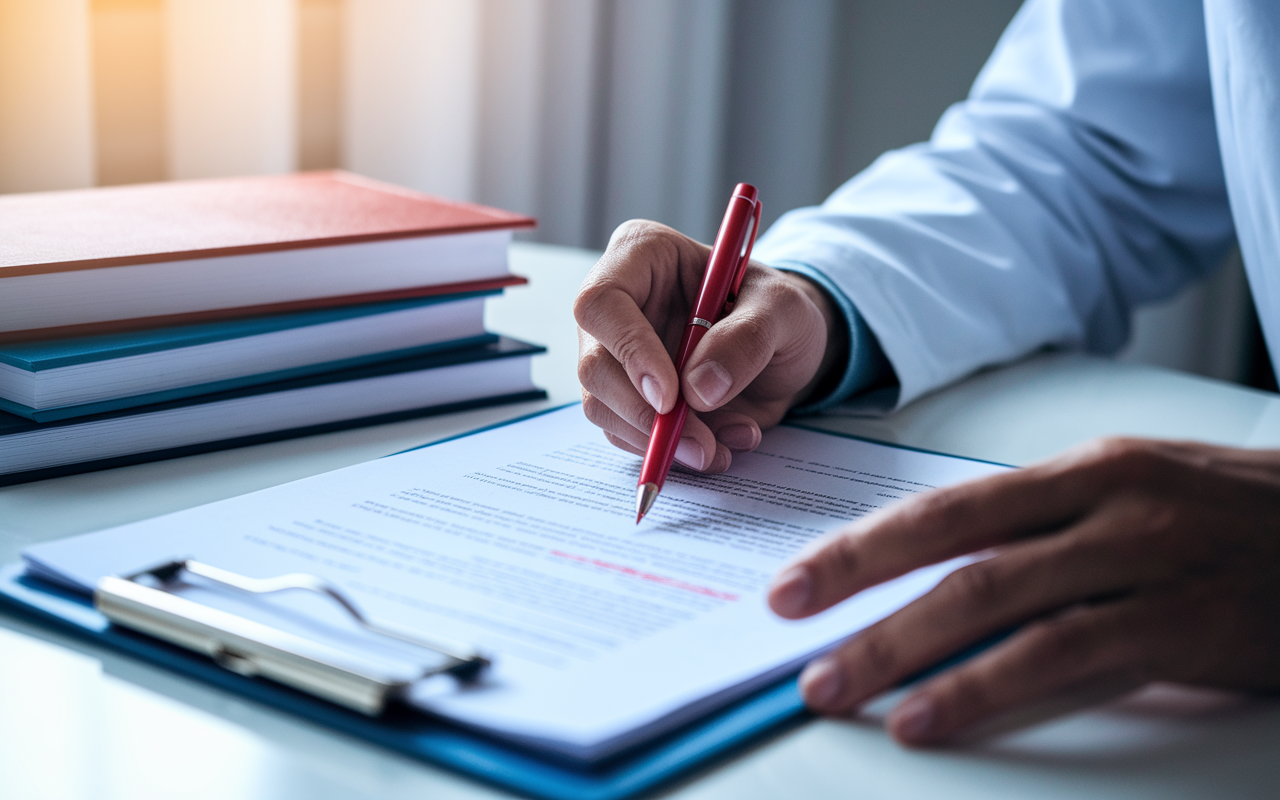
(790, 592)
(690, 453)
(649, 388)
(739, 437)
(914, 718)
(820, 684)
(710, 382)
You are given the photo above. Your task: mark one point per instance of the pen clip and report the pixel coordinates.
(744, 256)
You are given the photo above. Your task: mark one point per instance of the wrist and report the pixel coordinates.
(853, 363)
(835, 352)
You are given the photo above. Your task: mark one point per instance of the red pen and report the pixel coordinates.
(720, 284)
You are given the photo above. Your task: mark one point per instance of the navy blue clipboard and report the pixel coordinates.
(431, 739)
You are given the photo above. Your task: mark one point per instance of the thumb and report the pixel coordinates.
(775, 333)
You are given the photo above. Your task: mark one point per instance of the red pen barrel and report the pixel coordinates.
(662, 445)
(665, 436)
(725, 269)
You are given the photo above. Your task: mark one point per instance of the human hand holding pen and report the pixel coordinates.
(767, 356)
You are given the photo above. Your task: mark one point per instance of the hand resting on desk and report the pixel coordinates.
(1125, 560)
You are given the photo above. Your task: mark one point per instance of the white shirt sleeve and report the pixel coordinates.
(1081, 177)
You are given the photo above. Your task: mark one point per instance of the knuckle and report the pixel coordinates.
(603, 415)
(1057, 642)
(975, 585)
(593, 362)
(944, 508)
(589, 309)
(642, 240)
(1111, 447)
(1162, 521)
(963, 696)
(761, 283)
(1123, 456)
(840, 557)
(595, 410)
(752, 337)
(1151, 521)
(635, 231)
(628, 350)
(586, 299)
(786, 295)
(876, 653)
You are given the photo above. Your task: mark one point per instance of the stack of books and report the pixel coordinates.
(152, 321)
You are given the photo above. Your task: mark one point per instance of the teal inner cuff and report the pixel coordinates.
(867, 365)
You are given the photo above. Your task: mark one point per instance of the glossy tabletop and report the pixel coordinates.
(80, 722)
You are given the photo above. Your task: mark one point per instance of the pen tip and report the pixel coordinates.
(646, 493)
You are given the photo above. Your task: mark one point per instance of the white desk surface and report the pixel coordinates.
(81, 722)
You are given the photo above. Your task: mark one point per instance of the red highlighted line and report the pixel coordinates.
(648, 576)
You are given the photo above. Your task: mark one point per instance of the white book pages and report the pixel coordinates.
(257, 354)
(145, 431)
(522, 540)
(138, 291)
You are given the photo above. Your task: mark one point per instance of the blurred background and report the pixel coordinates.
(583, 113)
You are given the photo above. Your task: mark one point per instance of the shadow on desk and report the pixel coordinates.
(1172, 741)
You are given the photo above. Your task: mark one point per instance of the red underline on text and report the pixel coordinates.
(647, 576)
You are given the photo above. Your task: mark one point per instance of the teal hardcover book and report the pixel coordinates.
(70, 378)
(420, 385)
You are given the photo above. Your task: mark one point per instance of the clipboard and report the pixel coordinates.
(696, 746)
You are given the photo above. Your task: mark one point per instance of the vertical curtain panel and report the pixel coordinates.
(582, 113)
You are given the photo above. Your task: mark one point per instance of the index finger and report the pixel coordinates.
(934, 527)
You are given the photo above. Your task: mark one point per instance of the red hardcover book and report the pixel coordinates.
(130, 257)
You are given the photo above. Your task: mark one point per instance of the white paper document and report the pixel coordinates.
(522, 540)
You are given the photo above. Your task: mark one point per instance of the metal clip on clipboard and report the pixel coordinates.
(252, 648)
